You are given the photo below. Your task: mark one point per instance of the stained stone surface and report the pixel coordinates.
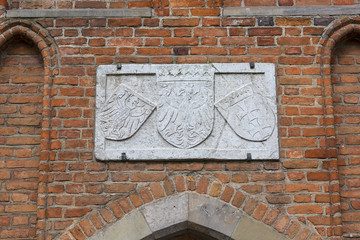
(248, 229)
(186, 111)
(132, 227)
(123, 114)
(175, 208)
(213, 214)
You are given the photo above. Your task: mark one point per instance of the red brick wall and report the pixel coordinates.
(299, 188)
(345, 78)
(21, 81)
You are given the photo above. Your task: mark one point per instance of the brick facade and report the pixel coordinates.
(52, 187)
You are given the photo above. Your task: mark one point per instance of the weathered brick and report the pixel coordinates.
(308, 209)
(274, 31)
(260, 3)
(181, 22)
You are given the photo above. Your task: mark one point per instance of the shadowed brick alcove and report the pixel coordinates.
(21, 98)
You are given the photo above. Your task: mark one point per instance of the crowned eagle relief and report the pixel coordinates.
(185, 108)
(124, 113)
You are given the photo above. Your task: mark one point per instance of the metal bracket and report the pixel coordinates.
(248, 156)
(119, 66)
(123, 156)
(252, 65)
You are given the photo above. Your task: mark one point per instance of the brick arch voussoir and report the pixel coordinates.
(35, 33)
(49, 53)
(336, 31)
(333, 35)
(96, 220)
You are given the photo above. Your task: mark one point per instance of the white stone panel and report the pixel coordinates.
(186, 111)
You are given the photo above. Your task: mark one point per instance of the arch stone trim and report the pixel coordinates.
(187, 211)
(259, 212)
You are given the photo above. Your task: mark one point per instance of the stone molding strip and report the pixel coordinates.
(292, 11)
(69, 13)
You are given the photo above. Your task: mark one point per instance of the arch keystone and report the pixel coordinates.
(165, 213)
(213, 214)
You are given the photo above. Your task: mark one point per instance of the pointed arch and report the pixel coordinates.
(194, 212)
(333, 34)
(42, 40)
(224, 214)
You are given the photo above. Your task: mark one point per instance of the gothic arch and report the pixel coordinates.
(42, 40)
(233, 213)
(335, 33)
(187, 211)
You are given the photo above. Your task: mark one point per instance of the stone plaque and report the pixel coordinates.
(186, 111)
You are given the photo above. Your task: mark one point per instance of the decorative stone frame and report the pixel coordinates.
(223, 143)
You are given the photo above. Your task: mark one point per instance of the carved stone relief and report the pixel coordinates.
(123, 114)
(248, 114)
(185, 106)
(199, 111)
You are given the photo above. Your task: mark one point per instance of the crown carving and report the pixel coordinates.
(185, 72)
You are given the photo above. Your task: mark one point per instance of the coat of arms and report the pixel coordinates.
(200, 109)
(186, 105)
(124, 113)
(248, 114)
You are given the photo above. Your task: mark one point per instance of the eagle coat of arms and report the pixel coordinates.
(186, 105)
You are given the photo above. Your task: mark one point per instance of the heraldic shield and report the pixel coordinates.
(248, 114)
(124, 113)
(185, 110)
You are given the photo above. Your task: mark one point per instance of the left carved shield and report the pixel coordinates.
(186, 105)
(124, 113)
